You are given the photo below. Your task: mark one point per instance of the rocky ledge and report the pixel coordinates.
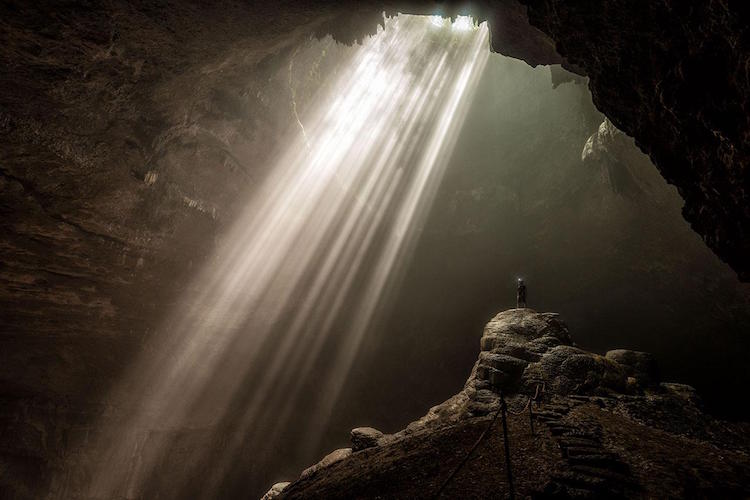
(603, 426)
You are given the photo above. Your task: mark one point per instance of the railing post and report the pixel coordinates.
(503, 409)
(531, 415)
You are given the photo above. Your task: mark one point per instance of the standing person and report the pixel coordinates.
(521, 294)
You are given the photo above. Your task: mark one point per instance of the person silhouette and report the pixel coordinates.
(521, 294)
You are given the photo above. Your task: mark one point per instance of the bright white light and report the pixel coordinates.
(319, 246)
(438, 21)
(463, 23)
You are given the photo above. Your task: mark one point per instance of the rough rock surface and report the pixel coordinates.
(639, 365)
(605, 149)
(365, 437)
(275, 491)
(327, 461)
(673, 75)
(604, 426)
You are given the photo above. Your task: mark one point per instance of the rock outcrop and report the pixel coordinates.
(604, 427)
(522, 350)
(639, 365)
(275, 491)
(365, 437)
(327, 461)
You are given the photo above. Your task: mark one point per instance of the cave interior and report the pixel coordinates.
(601, 154)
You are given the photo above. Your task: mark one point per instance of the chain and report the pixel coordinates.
(503, 409)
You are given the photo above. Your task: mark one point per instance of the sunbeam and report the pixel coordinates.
(309, 262)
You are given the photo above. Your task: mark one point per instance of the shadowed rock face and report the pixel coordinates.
(673, 75)
(639, 365)
(122, 157)
(603, 426)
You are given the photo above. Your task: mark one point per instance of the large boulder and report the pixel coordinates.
(513, 340)
(516, 327)
(328, 460)
(522, 348)
(639, 365)
(501, 370)
(365, 437)
(275, 491)
(569, 370)
(509, 364)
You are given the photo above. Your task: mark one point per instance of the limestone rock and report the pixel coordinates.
(520, 350)
(639, 365)
(684, 392)
(568, 370)
(518, 326)
(606, 415)
(328, 460)
(365, 437)
(503, 362)
(275, 491)
(512, 340)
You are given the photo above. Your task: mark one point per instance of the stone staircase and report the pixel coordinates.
(591, 470)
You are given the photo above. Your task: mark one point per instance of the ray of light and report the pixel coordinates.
(315, 252)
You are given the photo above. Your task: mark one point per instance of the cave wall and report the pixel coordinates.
(129, 131)
(673, 75)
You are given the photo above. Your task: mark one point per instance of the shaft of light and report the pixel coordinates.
(322, 244)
